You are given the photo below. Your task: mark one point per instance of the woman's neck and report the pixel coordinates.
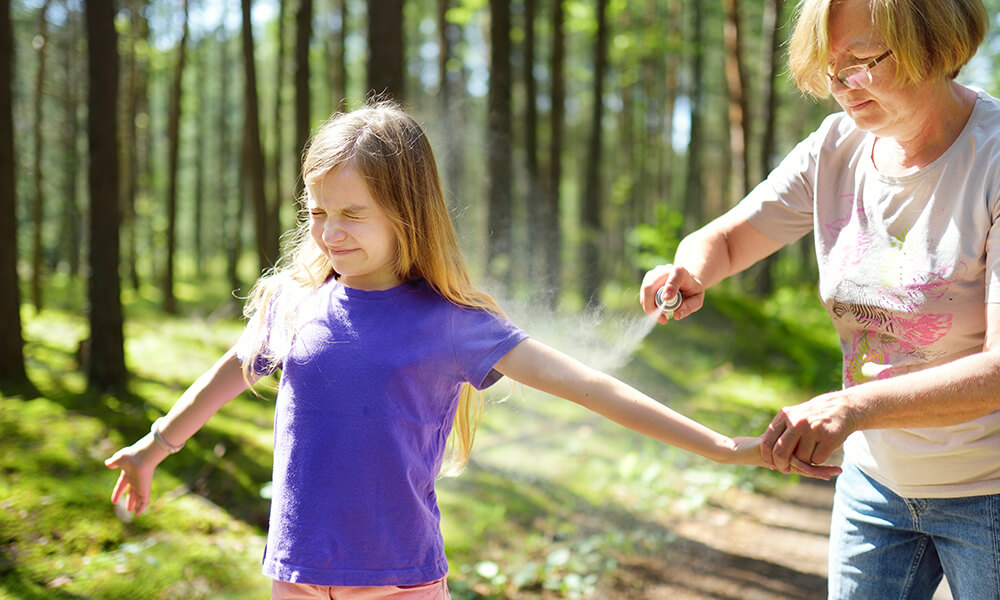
(936, 125)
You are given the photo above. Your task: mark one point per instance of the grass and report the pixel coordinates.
(552, 496)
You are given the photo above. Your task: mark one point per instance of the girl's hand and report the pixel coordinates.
(746, 451)
(137, 463)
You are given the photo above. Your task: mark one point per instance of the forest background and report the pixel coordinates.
(149, 163)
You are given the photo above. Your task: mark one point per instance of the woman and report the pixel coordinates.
(901, 191)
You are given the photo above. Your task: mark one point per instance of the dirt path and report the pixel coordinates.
(743, 546)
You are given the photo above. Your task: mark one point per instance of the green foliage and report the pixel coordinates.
(657, 243)
(61, 536)
(464, 11)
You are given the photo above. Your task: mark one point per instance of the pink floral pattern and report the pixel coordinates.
(893, 329)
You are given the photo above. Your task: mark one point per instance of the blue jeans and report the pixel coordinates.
(886, 547)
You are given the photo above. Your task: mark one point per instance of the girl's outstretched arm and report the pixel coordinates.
(217, 386)
(544, 368)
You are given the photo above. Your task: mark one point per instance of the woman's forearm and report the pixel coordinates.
(950, 394)
(722, 248)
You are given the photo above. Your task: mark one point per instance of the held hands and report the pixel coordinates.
(675, 279)
(747, 451)
(137, 463)
(801, 437)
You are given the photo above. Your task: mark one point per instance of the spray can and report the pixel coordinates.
(666, 306)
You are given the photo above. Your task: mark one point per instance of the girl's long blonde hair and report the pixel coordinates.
(391, 152)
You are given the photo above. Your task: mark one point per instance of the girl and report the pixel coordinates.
(381, 338)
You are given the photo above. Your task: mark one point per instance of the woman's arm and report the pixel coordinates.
(724, 247)
(217, 386)
(950, 394)
(544, 368)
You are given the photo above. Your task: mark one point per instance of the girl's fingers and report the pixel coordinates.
(120, 486)
(139, 503)
(124, 487)
(818, 471)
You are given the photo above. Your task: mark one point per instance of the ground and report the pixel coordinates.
(741, 546)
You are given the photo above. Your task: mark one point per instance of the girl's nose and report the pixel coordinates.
(333, 232)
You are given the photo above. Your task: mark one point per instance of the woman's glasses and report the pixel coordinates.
(859, 76)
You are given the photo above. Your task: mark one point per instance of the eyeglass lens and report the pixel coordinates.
(855, 77)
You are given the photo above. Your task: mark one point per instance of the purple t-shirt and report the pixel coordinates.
(367, 396)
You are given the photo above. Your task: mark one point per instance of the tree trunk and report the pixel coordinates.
(668, 162)
(201, 158)
(336, 53)
(38, 207)
(12, 374)
(173, 152)
(386, 75)
(590, 209)
(551, 200)
(303, 35)
(739, 119)
(444, 53)
(764, 281)
(277, 156)
(253, 157)
(106, 354)
(536, 234)
(498, 147)
(130, 141)
(70, 235)
(450, 102)
(771, 32)
(694, 190)
(232, 203)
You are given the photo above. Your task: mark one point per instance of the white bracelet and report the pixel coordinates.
(158, 438)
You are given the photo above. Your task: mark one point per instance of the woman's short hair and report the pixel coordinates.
(928, 39)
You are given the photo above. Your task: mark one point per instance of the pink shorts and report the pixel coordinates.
(435, 590)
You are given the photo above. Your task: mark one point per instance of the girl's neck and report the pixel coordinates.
(369, 284)
(934, 128)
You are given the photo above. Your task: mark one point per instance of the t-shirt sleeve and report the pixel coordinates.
(993, 253)
(481, 338)
(782, 206)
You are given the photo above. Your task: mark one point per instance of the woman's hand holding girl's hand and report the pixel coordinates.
(746, 451)
(137, 463)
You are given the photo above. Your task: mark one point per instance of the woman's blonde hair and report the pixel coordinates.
(928, 39)
(394, 157)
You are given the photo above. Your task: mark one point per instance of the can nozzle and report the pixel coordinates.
(667, 306)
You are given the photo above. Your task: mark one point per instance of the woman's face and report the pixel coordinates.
(880, 107)
(353, 231)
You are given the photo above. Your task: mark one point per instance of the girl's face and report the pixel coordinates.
(356, 235)
(879, 107)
